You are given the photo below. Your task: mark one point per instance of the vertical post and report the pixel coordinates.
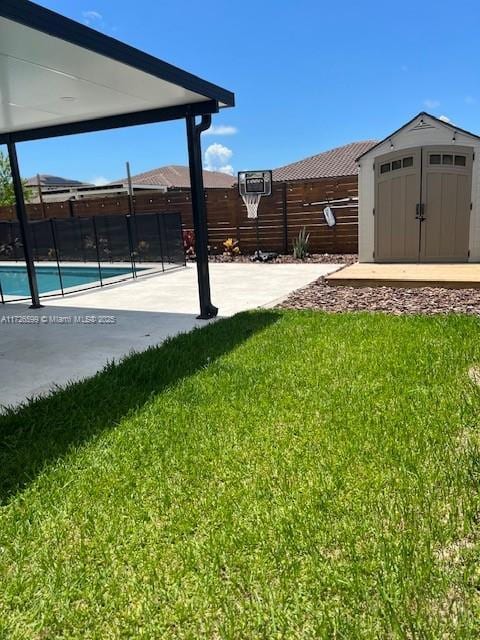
(131, 208)
(285, 218)
(24, 225)
(13, 240)
(40, 195)
(95, 235)
(130, 245)
(207, 309)
(160, 230)
(34, 243)
(55, 248)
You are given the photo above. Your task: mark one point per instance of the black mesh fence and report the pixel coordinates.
(98, 241)
(11, 247)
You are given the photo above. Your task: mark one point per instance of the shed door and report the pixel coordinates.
(397, 193)
(446, 197)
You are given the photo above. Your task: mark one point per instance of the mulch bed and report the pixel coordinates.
(324, 258)
(423, 300)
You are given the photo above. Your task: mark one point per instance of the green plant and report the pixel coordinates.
(231, 247)
(189, 243)
(7, 195)
(300, 244)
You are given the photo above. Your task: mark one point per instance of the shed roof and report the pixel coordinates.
(422, 116)
(337, 162)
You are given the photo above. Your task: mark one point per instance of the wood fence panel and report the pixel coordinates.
(292, 206)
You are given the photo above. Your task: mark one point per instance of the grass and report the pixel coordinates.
(274, 475)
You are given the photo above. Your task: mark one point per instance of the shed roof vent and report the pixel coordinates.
(421, 125)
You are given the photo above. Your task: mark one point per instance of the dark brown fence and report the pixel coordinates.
(292, 206)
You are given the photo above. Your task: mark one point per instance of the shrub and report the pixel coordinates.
(189, 243)
(231, 247)
(300, 244)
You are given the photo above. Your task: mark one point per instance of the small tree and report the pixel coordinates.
(7, 195)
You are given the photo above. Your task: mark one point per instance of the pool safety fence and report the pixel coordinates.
(101, 240)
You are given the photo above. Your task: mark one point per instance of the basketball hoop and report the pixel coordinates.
(252, 200)
(252, 185)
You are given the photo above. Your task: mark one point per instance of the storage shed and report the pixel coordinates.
(419, 195)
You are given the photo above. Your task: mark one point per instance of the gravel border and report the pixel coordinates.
(322, 258)
(398, 301)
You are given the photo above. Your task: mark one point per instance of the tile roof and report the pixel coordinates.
(329, 164)
(53, 181)
(178, 176)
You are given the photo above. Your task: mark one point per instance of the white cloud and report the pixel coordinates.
(99, 181)
(221, 130)
(445, 119)
(470, 100)
(95, 20)
(217, 158)
(431, 104)
(92, 18)
(228, 169)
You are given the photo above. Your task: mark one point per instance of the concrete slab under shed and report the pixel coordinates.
(450, 276)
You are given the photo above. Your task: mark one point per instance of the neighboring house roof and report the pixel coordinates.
(421, 115)
(337, 162)
(178, 176)
(54, 181)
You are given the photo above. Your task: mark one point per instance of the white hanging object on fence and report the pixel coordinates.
(329, 217)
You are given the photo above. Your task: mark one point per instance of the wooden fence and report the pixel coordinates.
(292, 206)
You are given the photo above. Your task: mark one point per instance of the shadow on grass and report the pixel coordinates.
(46, 429)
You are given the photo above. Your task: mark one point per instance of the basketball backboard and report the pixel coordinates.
(255, 182)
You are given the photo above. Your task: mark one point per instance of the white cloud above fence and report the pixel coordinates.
(217, 158)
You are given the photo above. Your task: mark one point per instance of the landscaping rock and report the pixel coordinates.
(398, 301)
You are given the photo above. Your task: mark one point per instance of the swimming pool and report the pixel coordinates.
(14, 280)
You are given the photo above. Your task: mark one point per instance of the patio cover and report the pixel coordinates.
(59, 77)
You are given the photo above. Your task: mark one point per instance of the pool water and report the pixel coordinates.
(14, 281)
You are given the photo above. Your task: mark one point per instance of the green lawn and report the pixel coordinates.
(274, 475)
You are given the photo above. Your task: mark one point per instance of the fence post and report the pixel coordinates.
(14, 241)
(285, 218)
(94, 224)
(34, 241)
(55, 248)
(78, 231)
(160, 239)
(70, 208)
(130, 244)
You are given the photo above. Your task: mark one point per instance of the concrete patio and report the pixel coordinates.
(74, 337)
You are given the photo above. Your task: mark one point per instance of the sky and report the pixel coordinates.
(307, 75)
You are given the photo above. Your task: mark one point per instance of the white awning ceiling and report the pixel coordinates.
(46, 81)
